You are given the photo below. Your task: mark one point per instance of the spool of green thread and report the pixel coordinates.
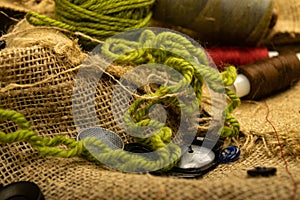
(98, 19)
(232, 22)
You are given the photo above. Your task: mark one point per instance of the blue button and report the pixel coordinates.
(229, 154)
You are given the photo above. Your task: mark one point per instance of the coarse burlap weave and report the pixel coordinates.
(40, 75)
(24, 6)
(46, 68)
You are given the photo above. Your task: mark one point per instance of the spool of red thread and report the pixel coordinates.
(236, 56)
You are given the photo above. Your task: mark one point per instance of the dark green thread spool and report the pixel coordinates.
(219, 21)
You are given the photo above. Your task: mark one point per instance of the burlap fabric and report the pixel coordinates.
(41, 76)
(24, 6)
(37, 79)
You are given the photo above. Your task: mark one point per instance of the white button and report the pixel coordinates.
(197, 158)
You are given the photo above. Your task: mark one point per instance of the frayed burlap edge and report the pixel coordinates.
(262, 121)
(43, 7)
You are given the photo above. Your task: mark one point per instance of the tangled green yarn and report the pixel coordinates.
(150, 48)
(96, 18)
(173, 50)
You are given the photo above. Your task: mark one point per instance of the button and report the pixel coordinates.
(194, 163)
(262, 171)
(229, 154)
(2, 44)
(136, 148)
(141, 150)
(21, 190)
(196, 157)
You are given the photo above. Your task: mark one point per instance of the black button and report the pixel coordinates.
(136, 148)
(21, 191)
(262, 171)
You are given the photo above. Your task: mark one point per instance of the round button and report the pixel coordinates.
(229, 154)
(21, 190)
(136, 148)
(194, 163)
(196, 157)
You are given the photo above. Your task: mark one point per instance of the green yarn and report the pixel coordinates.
(45, 146)
(123, 160)
(97, 18)
(184, 57)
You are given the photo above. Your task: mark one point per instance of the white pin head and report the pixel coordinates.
(298, 55)
(273, 54)
(241, 86)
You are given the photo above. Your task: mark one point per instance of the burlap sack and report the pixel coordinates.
(12, 11)
(37, 80)
(45, 71)
(23, 6)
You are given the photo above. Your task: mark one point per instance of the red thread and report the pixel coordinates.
(293, 197)
(236, 55)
